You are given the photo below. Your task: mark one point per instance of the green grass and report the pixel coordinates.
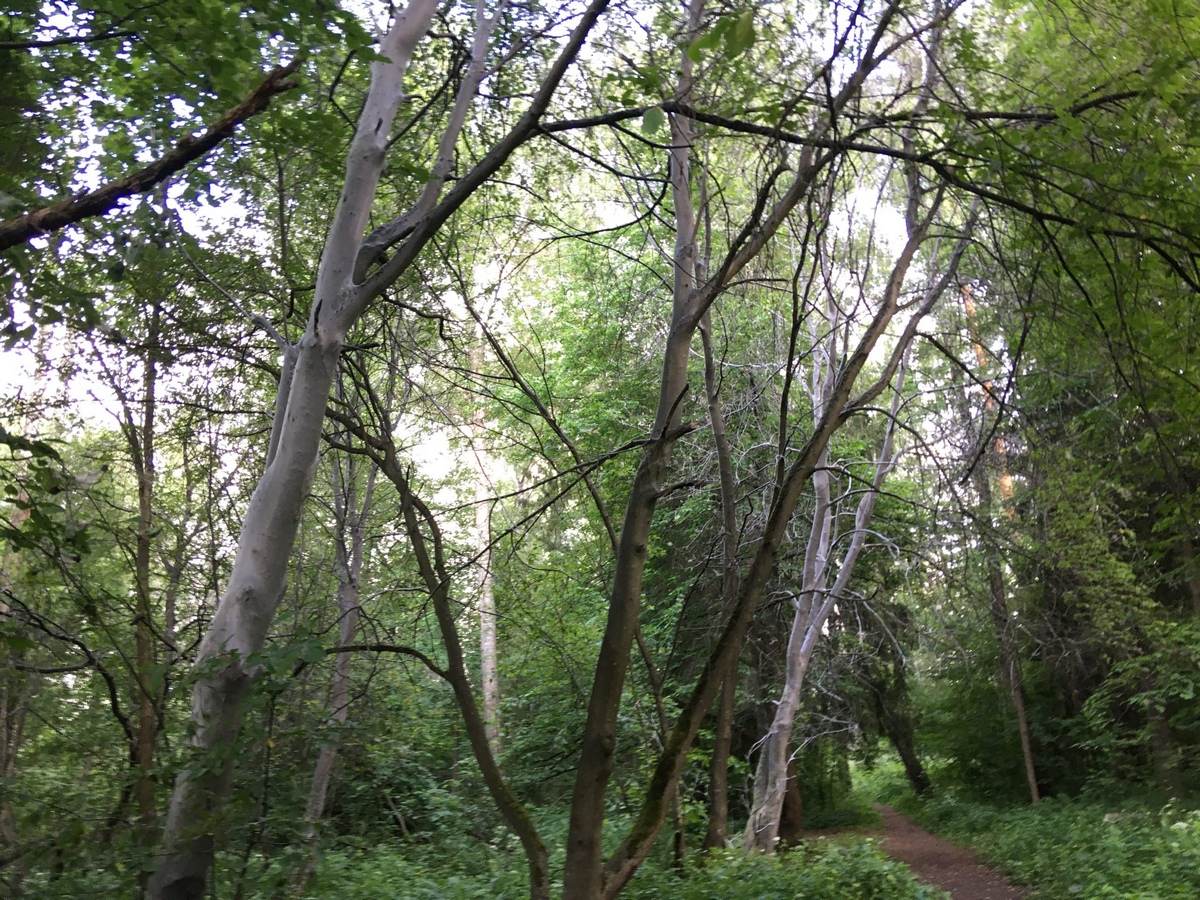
(854, 810)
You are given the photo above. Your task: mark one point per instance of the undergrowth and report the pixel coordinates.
(819, 871)
(1084, 849)
(1088, 848)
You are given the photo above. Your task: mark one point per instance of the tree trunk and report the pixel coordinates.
(13, 689)
(718, 778)
(791, 819)
(346, 285)
(259, 573)
(774, 760)
(1010, 666)
(897, 725)
(585, 832)
(488, 660)
(583, 877)
(718, 772)
(351, 521)
(1165, 753)
(817, 598)
(485, 597)
(437, 581)
(141, 445)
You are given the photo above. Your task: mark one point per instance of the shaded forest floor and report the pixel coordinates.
(943, 864)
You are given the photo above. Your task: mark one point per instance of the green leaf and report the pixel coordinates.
(710, 40)
(653, 119)
(311, 651)
(740, 37)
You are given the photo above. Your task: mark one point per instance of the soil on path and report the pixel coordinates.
(938, 862)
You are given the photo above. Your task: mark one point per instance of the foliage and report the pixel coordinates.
(1086, 848)
(816, 871)
(530, 331)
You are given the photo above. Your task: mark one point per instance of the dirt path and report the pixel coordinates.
(938, 862)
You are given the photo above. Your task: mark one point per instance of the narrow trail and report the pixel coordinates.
(938, 862)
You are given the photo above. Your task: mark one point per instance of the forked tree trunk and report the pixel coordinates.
(587, 816)
(774, 758)
(346, 285)
(583, 877)
(257, 580)
(816, 598)
(813, 608)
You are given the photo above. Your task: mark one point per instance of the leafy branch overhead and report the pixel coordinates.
(20, 229)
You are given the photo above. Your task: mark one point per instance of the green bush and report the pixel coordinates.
(388, 875)
(1082, 849)
(820, 871)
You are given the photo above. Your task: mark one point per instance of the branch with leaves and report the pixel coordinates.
(20, 229)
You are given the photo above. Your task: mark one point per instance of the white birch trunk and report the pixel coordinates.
(259, 574)
(813, 608)
(485, 596)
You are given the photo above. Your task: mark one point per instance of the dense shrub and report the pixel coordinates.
(817, 872)
(1082, 849)
(814, 872)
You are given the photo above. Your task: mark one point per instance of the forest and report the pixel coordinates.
(551, 448)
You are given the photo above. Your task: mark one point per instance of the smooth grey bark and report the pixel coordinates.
(812, 609)
(485, 598)
(486, 607)
(259, 573)
(633, 850)
(256, 584)
(816, 598)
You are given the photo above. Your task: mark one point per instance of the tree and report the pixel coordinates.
(696, 160)
(342, 294)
